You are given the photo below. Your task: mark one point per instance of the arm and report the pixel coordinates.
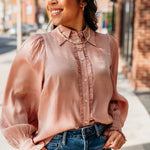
(22, 95)
(118, 106)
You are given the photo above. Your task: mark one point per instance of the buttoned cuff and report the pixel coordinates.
(28, 144)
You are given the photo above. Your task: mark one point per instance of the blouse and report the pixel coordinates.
(55, 85)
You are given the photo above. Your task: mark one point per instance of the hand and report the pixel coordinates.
(115, 140)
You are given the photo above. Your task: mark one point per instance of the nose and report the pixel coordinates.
(50, 3)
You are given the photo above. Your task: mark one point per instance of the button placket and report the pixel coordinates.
(86, 122)
(80, 49)
(81, 55)
(85, 79)
(86, 100)
(86, 91)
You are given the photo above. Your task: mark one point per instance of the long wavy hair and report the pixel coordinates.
(89, 16)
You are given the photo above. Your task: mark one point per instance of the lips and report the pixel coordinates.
(55, 11)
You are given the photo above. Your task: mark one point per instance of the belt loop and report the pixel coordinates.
(97, 130)
(64, 138)
(83, 136)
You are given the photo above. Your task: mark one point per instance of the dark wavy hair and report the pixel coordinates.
(89, 15)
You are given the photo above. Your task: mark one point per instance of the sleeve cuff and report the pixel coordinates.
(115, 114)
(18, 134)
(28, 144)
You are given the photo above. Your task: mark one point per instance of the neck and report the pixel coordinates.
(78, 24)
(77, 27)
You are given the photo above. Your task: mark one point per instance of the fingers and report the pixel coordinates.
(115, 141)
(118, 142)
(121, 142)
(110, 141)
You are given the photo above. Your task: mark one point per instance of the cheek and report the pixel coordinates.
(69, 4)
(65, 2)
(46, 4)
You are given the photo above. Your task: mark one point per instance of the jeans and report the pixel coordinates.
(85, 138)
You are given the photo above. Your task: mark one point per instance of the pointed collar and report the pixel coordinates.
(74, 35)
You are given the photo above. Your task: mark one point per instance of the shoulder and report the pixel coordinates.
(99, 35)
(112, 41)
(33, 47)
(106, 37)
(113, 47)
(33, 40)
(109, 41)
(102, 40)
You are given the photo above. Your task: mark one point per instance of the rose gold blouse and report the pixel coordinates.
(55, 85)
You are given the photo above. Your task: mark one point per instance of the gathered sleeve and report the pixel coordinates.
(22, 95)
(118, 106)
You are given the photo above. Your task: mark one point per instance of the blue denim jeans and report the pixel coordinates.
(85, 138)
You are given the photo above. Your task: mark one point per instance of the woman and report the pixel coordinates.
(61, 91)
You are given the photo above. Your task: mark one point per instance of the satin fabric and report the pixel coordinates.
(55, 85)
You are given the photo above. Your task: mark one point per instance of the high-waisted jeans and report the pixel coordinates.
(85, 138)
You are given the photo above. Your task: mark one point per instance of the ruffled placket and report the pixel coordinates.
(85, 75)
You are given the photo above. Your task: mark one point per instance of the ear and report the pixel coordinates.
(83, 3)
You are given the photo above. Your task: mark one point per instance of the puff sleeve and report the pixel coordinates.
(118, 106)
(22, 95)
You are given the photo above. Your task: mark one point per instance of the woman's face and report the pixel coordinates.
(65, 12)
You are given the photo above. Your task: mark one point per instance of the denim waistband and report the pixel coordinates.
(97, 128)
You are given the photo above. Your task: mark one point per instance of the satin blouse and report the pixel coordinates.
(56, 85)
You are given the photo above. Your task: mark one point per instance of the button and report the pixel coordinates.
(85, 80)
(86, 100)
(81, 33)
(86, 122)
(79, 49)
(81, 58)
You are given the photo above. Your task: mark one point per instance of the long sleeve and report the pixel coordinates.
(118, 106)
(22, 95)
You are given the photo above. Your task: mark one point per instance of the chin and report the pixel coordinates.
(56, 23)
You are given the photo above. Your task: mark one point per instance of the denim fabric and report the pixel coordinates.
(85, 138)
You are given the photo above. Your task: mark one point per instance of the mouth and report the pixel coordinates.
(55, 11)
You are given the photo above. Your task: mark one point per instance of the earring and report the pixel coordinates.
(83, 8)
